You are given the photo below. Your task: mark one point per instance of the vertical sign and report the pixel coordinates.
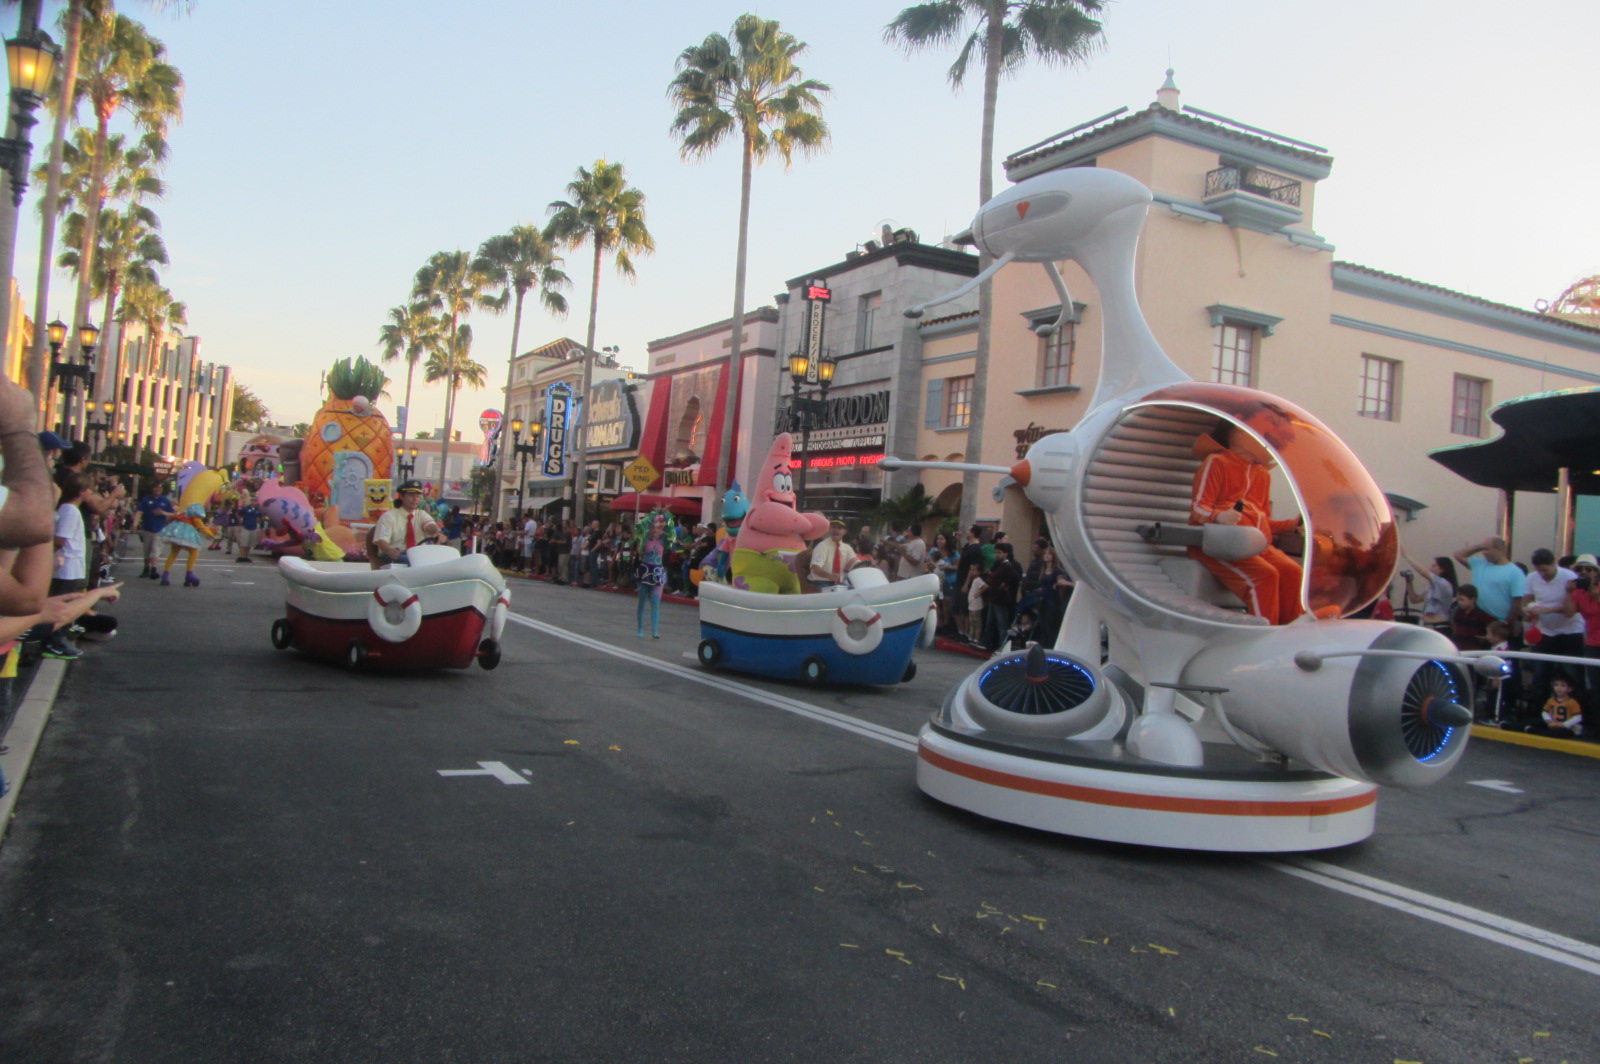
(557, 425)
(817, 296)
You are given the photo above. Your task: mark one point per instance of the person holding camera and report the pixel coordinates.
(1436, 595)
(1586, 597)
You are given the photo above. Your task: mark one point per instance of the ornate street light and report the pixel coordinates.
(101, 427)
(31, 62)
(523, 451)
(803, 408)
(407, 460)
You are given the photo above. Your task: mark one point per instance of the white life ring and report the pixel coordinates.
(395, 613)
(857, 629)
(930, 629)
(498, 613)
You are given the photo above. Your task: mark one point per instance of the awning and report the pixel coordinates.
(1540, 436)
(673, 504)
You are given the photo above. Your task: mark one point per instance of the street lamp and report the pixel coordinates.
(407, 460)
(98, 428)
(31, 61)
(802, 408)
(523, 451)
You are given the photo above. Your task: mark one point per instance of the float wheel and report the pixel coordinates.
(356, 655)
(814, 671)
(488, 654)
(709, 653)
(282, 634)
(910, 673)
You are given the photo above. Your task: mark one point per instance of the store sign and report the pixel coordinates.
(817, 296)
(557, 427)
(847, 423)
(613, 418)
(681, 478)
(843, 461)
(1029, 436)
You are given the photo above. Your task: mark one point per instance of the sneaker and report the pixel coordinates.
(62, 652)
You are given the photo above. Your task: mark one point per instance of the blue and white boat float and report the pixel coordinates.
(864, 632)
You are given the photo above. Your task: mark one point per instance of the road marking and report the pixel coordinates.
(497, 769)
(1495, 785)
(1524, 937)
(700, 676)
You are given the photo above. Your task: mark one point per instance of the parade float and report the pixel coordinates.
(444, 610)
(1169, 712)
(347, 459)
(863, 631)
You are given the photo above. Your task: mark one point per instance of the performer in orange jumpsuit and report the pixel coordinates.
(1233, 486)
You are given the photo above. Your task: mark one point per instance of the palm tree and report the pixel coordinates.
(745, 85)
(132, 171)
(604, 210)
(519, 260)
(1005, 35)
(129, 249)
(411, 332)
(452, 363)
(452, 283)
(122, 68)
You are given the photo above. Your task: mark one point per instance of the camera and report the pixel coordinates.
(1580, 584)
(1406, 574)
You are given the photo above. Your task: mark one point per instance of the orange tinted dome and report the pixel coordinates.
(1351, 539)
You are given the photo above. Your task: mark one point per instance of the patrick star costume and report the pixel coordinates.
(773, 525)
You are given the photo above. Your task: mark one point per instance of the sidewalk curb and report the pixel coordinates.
(26, 731)
(1540, 742)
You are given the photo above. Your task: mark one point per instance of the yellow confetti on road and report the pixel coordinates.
(1268, 1052)
(819, 890)
(1052, 986)
(1036, 919)
(936, 929)
(613, 746)
(863, 871)
(894, 953)
(1298, 1019)
(1005, 930)
(1324, 1034)
(1397, 1060)
(902, 960)
(909, 886)
(573, 742)
(848, 945)
(1171, 1011)
(930, 853)
(1164, 951)
(883, 868)
(828, 811)
(1541, 1034)
(949, 978)
(1091, 941)
(962, 983)
(1136, 949)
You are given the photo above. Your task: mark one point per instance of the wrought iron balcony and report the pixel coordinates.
(1254, 180)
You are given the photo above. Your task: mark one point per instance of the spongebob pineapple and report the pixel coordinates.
(350, 442)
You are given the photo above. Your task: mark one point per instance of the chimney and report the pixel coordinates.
(1167, 94)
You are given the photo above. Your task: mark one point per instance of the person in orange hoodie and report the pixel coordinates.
(1233, 486)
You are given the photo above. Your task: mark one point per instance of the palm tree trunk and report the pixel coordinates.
(52, 199)
(113, 289)
(449, 404)
(580, 467)
(730, 408)
(980, 360)
(502, 460)
(411, 370)
(86, 248)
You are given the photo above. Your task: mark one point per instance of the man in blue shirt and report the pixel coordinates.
(249, 527)
(155, 509)
(1501, 585)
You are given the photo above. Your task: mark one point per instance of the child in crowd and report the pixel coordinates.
(1563, 716)
(1498, 635)
(976, 586)
(1469, 623)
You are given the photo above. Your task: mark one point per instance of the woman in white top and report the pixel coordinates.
(1439, 593)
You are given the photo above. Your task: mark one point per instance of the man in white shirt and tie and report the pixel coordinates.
(831, 558)
(402, 528)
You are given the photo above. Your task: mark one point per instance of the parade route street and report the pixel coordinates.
(599, 852)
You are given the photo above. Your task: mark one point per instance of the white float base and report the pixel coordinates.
(1187, 809)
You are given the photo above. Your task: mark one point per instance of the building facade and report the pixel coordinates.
(555, 365)
(164, 396)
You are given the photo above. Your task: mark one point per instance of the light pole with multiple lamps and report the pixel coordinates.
(69, 370)
(406, 459)
(31, 62)
(804, 408)
(97, 429)
(523, 451)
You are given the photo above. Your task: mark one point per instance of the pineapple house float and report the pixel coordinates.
(350, 445)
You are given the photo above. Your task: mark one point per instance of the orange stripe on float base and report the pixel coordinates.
(1155, 802)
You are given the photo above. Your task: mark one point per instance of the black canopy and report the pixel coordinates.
(1542, 434)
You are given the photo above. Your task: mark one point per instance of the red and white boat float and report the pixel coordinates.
(443, 611)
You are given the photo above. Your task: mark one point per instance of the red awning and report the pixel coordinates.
(673, 504)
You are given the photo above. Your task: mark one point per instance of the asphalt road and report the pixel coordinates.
(230, 853)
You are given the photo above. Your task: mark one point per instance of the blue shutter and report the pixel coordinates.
(933, 413)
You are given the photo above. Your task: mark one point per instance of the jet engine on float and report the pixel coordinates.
(1167, 713)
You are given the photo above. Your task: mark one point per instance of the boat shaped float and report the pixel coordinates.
(443, 611)
(861, 633)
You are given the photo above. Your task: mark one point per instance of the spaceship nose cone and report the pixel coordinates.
(1022, 472)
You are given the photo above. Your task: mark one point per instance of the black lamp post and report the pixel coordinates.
(31, 61)
(407, 460)
(803, 408)
(97, 429)
(523, 451)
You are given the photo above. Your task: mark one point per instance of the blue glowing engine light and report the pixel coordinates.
(1432, 684)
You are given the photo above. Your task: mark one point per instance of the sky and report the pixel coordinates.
(327, 149)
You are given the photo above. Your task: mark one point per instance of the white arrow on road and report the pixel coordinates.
(1495, 785)
(497, 769)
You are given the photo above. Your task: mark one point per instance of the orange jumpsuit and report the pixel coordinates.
(1269, 583)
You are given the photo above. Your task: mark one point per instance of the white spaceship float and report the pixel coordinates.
(1165, 714)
